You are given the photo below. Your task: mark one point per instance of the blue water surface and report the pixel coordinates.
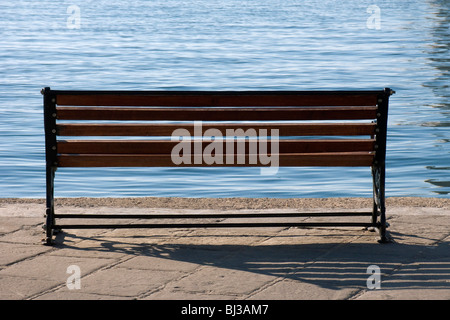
(228, 45)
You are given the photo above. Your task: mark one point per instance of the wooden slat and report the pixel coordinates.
(159, 129)
(216, 114)
(166, 147)
(209, 99)
(338, 159)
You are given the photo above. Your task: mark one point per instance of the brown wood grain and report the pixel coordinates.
(336, 159)
(159, 129)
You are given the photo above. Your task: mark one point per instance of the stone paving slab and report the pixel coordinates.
(225, 264)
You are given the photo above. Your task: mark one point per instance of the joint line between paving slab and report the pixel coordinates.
(109, 266)
(23, 227)
(281, 278)
(306, 265)
(361, 292)
(27, 258)
(199, 268)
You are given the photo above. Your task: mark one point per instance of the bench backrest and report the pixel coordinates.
(317, 128)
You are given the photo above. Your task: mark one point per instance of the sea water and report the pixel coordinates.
(228, 45)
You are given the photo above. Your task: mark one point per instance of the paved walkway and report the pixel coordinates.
(233, 264)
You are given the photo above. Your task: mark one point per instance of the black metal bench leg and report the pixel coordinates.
(374, 213)
(50, 211)
(51, 160)
(383, 237)
(383, 224)
(379, 167)
(379, 206)
(49, 227)
(375, 207)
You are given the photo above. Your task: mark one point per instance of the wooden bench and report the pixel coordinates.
(308, 128)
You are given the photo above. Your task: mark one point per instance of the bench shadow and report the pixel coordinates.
(330, 265)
